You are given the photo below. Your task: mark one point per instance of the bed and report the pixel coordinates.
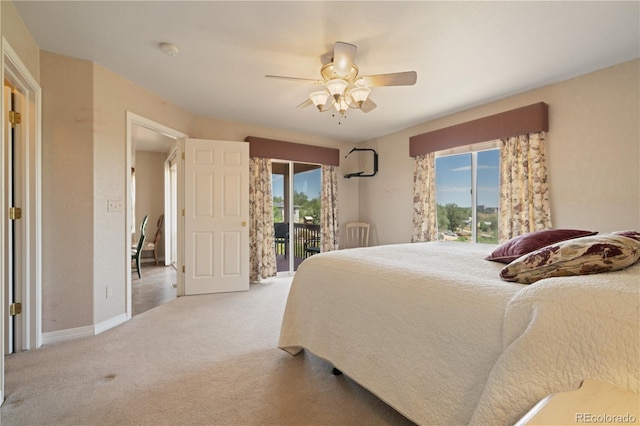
(432, 329)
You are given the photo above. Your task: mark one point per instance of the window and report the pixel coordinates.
(467, 192)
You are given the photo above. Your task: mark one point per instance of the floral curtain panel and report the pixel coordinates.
(329, 226)
(524, 191)
(262, 252)
(424, 199)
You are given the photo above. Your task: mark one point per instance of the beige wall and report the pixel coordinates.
(113, 96)
(16, 33)
(593, 156)
(149, 193)
(67, 193)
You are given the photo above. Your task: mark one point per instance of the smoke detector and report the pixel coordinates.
(170, 49)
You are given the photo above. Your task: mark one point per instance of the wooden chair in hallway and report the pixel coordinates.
(137, 251)
(357, 234)
(153, 246)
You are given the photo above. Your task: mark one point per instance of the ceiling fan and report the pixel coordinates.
(343, 88)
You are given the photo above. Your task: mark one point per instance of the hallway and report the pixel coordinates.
(156, 287)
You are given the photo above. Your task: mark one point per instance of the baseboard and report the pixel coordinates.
(86, 331)
(68, 334)
(110, 323)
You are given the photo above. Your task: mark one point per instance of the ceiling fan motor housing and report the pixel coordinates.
(328, 73)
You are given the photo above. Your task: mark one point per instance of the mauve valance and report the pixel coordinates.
(520, 121)
(281, 150)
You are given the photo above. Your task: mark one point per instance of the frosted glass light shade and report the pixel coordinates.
(336, 87)
(360, 94)
(319, 99)
(341, 105)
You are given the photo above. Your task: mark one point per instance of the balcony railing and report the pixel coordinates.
(302, 232)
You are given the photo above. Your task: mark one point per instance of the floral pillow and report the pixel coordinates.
(579, 256)
(631, 234)
(526, 243)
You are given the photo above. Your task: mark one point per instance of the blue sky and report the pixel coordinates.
(453, 179)
(307, 182)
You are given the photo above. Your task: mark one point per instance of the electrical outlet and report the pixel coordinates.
(115, 206)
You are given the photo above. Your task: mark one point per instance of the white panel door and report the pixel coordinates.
(216, 216)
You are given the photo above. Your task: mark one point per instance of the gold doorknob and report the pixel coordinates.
(244, 223)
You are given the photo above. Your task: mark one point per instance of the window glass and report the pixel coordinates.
(488, 190)
(453, 196)
(467, 188)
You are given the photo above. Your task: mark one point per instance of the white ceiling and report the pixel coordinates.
(465, 53)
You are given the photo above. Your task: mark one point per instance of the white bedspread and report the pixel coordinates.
(419, 325)
(560, 331)
(432, 330)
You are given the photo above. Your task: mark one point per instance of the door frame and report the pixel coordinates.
(135, 119)
(170, 207)
(14, 71)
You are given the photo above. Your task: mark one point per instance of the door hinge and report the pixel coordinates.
(183, 269)
(182, 212)
(15, 213)
(183, 155)
(15, 309)
(15, 118)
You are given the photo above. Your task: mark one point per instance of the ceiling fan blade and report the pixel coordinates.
(281, 77)
(344, 55)
(368, 105)
(305, 104)
(407, 78)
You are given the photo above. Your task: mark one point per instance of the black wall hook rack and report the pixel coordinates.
(362, 174)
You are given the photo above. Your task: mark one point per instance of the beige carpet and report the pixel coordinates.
(208, 360)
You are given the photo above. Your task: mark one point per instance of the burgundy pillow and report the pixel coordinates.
(526, 243)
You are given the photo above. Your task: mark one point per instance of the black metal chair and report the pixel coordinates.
(311, 246)
(137, 251)
(281, 232)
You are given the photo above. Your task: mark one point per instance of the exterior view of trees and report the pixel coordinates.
(305, 207)
(454, 223)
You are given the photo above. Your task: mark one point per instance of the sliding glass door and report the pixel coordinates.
(296, 212)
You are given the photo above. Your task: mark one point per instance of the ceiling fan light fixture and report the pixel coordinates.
(342, 84)
(359, 94)
(319, 98)
(336, 87)
(342, 104)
